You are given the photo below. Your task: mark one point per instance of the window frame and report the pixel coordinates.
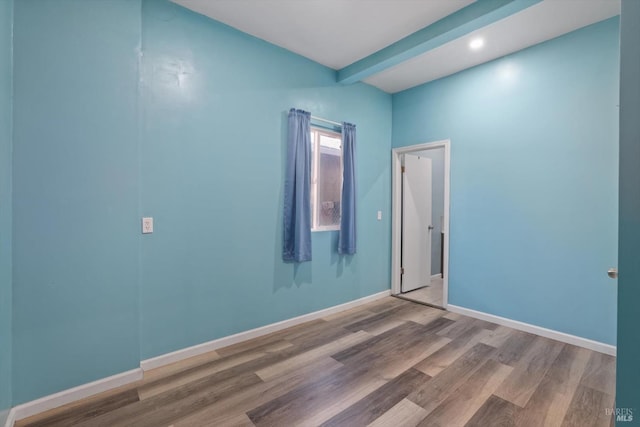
(316, 131)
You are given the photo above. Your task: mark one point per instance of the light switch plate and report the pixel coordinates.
(147, 225)
(379, 215)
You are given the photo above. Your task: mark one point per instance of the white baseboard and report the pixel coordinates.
(436, 276)
(71, 395)
(11, 418)
(206, 347)
(538, 330)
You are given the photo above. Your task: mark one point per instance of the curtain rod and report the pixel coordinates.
(326, 121)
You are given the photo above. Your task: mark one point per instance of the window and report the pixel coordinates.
(326, 179)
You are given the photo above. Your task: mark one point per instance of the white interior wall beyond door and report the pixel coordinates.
(417, 223)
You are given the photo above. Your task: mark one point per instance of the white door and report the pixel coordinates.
(416, 223)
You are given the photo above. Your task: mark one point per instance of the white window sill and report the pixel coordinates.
(327, 228)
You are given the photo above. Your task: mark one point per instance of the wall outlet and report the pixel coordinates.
(147, 225)
(379, 215)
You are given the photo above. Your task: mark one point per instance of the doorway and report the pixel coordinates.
(420, 223)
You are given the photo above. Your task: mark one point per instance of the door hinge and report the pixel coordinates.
(402, 270)
(402, 169)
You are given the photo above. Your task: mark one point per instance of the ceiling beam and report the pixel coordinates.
(468, 19)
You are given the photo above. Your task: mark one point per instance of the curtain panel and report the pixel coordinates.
(347, 237)
(297, 189)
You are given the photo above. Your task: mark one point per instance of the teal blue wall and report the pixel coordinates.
(196, 140)
(75, 193)
(628, 372)
(213, 138)
(534, 167)
(6, 32)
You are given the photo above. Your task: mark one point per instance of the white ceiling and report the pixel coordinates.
(337, 33)
(334, 33)
(536, 24)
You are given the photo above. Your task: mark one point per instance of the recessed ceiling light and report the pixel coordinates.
(476, 44)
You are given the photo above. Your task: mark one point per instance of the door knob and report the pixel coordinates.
(430, 227)
(613, 273)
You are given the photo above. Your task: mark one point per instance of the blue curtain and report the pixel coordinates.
(297, 189)
(347, 237)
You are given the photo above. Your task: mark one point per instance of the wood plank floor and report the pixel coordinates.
(388, 363)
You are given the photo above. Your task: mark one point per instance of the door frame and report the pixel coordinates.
(396, 212)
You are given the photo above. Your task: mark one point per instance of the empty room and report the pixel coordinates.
(319, 212)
